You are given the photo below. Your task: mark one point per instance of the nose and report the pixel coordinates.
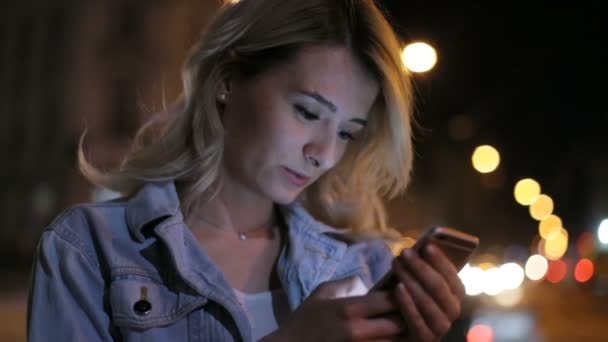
(321, 152)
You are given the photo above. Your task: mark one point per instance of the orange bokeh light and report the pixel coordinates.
(480, 333)
(557, 271)
(583, 270)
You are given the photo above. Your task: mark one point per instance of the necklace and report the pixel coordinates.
(262, 232)
(269, 233)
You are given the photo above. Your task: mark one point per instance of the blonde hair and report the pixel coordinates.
(185, 143)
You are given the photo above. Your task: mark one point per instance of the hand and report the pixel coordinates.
(322, 317)
(429, 293)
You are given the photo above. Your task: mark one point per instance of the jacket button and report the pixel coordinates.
(142, 307)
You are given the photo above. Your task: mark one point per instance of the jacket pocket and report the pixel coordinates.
(142, 302)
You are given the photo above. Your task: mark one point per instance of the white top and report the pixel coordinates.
(265, 310)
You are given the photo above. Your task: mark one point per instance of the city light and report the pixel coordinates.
(419, 57)
(602, 232)
(526, 191)
(557, 271)
(536, 267)
(485, 159)
(548, 225)
(556, 244)
(493, 282)
(541, 207)
(583, 270)
(480, 333)
(509, 298)
(473, 279)
(512, 275)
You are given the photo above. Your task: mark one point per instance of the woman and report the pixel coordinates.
(254, 211)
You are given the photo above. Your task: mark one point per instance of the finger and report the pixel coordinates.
(443, 265)
(432, 313)
(417, 327)
(374, 303)
(332, 289)
(384, 327)
(433, 283)
(396, 338)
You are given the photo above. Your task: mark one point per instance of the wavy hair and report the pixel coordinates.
(184, 144)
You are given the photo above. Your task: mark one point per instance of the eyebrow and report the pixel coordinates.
(332, 107)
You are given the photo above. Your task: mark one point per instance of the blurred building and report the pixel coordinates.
(67, 66)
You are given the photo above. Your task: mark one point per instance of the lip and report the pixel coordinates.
(295, 177)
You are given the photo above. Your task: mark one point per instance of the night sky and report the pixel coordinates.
(532, 82)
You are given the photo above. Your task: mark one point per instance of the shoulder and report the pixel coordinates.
(82, 226)
(119, 223)
(369, 258)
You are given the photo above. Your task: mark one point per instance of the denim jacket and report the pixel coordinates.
(131, 270)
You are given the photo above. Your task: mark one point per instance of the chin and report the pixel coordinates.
(284, 197)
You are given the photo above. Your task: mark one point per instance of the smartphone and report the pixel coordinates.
(458, 246)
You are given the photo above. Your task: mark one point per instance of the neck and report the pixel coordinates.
(235, 211)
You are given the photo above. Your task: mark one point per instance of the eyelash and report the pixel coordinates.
(307, 115)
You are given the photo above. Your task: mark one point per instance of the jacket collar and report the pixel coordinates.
(155, 200)
(295, 212)
(313, 254)
(311, 258)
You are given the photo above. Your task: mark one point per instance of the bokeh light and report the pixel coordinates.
(419, 57)
(536, 267)
(556, 244)
(485, 158)
(486, 265)
(602, 232)
(542, 207)
(583, 270)
(585, 245)
(557, 271)
(526, 191)
(509, 298)
(493, 282)
(473, 279)
(480, 333)
(512, 275)
(549, 224)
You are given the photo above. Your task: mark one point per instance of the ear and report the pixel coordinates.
(223, 89)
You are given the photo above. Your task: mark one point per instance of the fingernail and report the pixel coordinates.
(401, 287)
(407, 253)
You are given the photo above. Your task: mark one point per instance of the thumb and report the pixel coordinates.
(345, 287)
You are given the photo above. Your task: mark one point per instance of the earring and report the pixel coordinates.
(222, 97)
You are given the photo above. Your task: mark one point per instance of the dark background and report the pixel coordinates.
(531, 80)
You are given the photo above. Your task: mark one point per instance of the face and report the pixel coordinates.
(292, 123)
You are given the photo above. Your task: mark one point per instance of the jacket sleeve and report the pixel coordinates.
(66, 298)
(380, 260)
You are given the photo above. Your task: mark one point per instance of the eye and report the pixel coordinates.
(344, 135)
(304, 113)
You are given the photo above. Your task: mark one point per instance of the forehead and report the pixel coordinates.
(334, 73)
